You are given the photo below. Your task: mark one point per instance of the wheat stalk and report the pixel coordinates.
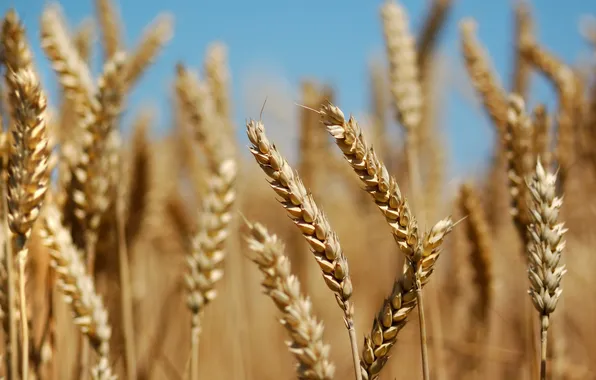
(305, 331)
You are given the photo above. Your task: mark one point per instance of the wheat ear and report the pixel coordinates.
(311, 221)
(79, 291)
(305, 331)
(421, 254)
(545, 246)
(568, 91)
(208, 249)
(518, 151)
(154, 38)
(27, 168)
(110, 26)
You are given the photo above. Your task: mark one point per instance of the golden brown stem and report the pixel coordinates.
(126, 295)
(21, 254)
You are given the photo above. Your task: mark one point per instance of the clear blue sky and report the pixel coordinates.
(332, 41)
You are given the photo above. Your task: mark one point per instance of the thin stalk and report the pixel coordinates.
(22, 257)
(11, 347)
(423, 337)
(543, 346)
(354, 345)
(125, 295)
(194, 353)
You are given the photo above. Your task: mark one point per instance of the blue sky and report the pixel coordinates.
(273, 45)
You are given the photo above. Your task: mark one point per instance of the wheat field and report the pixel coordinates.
(197, 253)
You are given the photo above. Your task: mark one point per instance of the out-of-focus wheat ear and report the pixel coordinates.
(481, 256)
(569, 95)
(90, 314)
(156, 35)
(405, 89)
(517, 144)
(541, 135)
(311, 222)
(84, 38)
(309, 161)
(483, 77)
(73, 74)
(480, 244)
(524, 34)
(403, 65)
(375, 176)
(434, 23)
(198, 110)
(545, 245)
(112, 34)
(306, 332)
(16, 51)
(205, 262)
(217, 75)
(138, 175)
(378, 106)
(91, 173)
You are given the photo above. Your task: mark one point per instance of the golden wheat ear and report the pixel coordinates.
(306, 332)
(311, 222)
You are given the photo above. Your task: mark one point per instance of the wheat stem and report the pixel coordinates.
(423, 336)
(543, 346)
(195, 335)
(22, 257)
(11, 344)
(126, 296)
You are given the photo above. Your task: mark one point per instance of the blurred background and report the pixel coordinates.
(303, 52)
(272, 46)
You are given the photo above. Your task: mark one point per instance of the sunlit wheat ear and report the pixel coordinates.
(28, 155)
(545, 245)
(374, 175)
(546, 242)
(311, 222)
(306, 332)
(89, 312)
(304, 211)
